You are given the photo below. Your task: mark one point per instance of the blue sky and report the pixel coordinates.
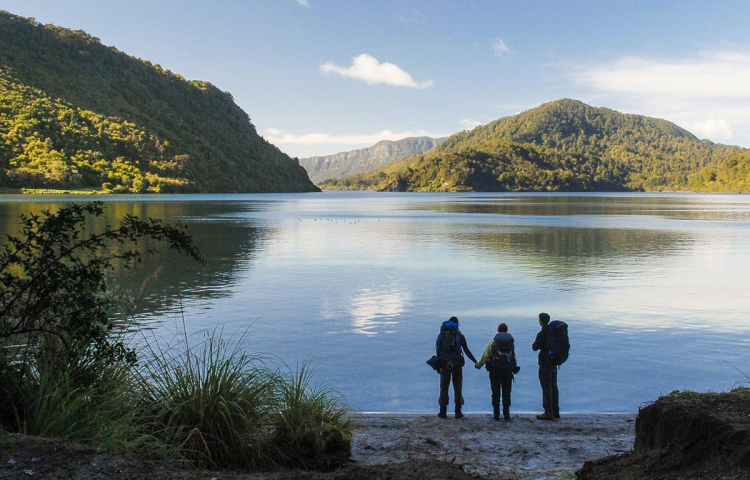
(323, 76)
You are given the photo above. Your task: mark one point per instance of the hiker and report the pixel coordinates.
(449, 347)
(500, 360)
(553, 346)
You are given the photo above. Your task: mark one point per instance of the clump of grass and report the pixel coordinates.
(199, 399)
(222, 407)
(313, 425)
(209, 400)
(73, 399)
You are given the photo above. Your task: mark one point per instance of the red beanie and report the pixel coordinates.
(502, 328)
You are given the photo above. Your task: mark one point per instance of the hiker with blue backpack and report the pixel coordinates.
(554, 346)
(449, 349)
(500, 360)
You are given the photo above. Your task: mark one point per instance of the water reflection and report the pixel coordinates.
(678, 207)
(163, 283)
(563, 253)
(377, 311)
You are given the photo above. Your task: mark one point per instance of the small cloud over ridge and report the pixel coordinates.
(277, 136)
(717, 128)
(469, 123)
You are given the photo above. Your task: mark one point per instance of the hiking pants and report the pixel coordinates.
(501, 381)
(548, 381)
(456, 374)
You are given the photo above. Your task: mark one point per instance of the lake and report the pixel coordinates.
(654, 287)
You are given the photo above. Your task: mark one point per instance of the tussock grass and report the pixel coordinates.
(73, 401)
(199, 399)
(313, 424)
(210, 400)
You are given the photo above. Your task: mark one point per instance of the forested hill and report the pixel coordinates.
(366, 159)
(565, 145)
(75, 113)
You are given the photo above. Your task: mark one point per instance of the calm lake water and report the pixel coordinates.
(653, 287)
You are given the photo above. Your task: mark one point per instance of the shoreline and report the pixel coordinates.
(522, 448)
(413, 447)
(487, 412)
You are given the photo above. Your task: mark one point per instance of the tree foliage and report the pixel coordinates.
(75, 113)
(729, 175)
(54, 288)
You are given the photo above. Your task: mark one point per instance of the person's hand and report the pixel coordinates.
(476, 365)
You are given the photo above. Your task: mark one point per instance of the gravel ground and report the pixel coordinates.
(522, 448)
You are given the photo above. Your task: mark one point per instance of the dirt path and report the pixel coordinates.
(522, 448)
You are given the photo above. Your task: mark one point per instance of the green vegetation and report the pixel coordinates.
(729, 175)
(75, 113)
(67, 370)
(564, 145)
(52, 191)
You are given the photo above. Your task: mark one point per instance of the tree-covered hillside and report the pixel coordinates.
(75, 113)
(564, 145)
(729, 175)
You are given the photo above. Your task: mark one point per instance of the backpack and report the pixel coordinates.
(502, 352)
(558, 347)
(449, 340)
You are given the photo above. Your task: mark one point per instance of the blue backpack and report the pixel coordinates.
(448, 342)
(558, 347)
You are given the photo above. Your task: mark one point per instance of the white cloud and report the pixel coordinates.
(500, 48)
(708, 92)
(469, 123)
(277, 136)
(710, 74)
(713, 128)
(304, 3)
(368, 68)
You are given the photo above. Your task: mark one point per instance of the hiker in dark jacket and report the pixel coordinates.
(449, 348)
(547, 372)
(500, 360)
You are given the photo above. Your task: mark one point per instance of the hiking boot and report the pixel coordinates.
(443, 412)
(556, 414)
(507, 418)
(496, 413)
(459, 414)
(545, 416)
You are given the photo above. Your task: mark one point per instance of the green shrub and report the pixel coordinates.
(313, 426)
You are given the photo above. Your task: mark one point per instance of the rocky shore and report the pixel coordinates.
(522, 448)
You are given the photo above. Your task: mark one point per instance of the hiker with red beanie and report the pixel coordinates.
(499, 358)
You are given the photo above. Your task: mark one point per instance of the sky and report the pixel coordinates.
(319, 77)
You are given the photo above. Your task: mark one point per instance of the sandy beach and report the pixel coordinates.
(521, 448)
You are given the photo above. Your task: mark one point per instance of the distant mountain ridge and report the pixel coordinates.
(366, 159)
(565, 145)
(77, 114)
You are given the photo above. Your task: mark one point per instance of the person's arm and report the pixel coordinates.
(466, 349)
(539, 343)
(486, 355)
